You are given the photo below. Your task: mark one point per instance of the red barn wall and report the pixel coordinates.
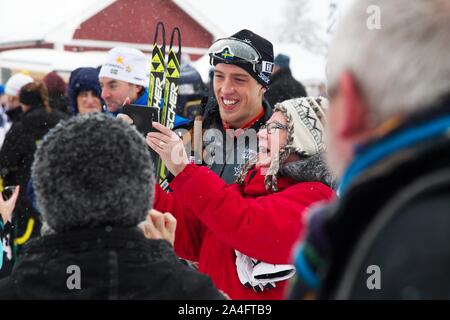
(134, 21)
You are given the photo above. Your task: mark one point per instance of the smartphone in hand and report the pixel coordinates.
(142, 116)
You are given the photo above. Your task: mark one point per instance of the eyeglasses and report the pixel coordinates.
(271, 127)
(232, 50)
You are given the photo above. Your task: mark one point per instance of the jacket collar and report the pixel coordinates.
(142, 100)
(310, 169)
(96, 238)
(254, 183)
(414, 130)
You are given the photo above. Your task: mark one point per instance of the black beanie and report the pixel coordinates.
(30, 97)
(265, 49)
(93, 171)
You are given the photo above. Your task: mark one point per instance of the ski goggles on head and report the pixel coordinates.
(235, 51)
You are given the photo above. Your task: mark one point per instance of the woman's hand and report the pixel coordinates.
(170, 148)
(7, 206)
(159, 226)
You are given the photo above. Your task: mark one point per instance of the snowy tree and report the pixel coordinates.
(300, 27)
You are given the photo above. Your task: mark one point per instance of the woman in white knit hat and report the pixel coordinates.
(12, 90)
(242, 234)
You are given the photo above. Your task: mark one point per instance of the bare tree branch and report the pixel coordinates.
(298, 27)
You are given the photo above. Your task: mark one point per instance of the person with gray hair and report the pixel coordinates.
(94, 184)
(388, 142)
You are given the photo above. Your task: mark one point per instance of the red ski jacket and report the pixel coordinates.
(214, 219)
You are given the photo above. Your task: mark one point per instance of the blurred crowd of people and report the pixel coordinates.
(273, 194)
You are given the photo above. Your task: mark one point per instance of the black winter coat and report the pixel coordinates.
(16, 155)
(284, 87)
(398, 220)
(16, 158)
(14, 114)
(111, 264)
(394, 217)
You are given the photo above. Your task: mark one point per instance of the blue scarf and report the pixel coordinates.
(370, 155)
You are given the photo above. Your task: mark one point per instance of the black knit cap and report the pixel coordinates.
(30, 97)
(265, 49)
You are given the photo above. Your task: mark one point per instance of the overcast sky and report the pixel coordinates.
(261, 16)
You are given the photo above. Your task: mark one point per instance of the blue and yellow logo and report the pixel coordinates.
(226, 54)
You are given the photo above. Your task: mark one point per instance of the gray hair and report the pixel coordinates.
(93, 171)
(404, 65)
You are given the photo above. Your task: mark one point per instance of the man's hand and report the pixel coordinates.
(7, 206)
(170, 148)
(159, 226)
(125, 117)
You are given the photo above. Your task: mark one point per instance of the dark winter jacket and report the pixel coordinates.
(14, 114)
(392, 221)
(283, 87)
(111, 264)
(215, 219)
(59, 102)
(229, 166)
(16, 157)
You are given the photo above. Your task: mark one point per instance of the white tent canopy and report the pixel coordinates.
(46, 60)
